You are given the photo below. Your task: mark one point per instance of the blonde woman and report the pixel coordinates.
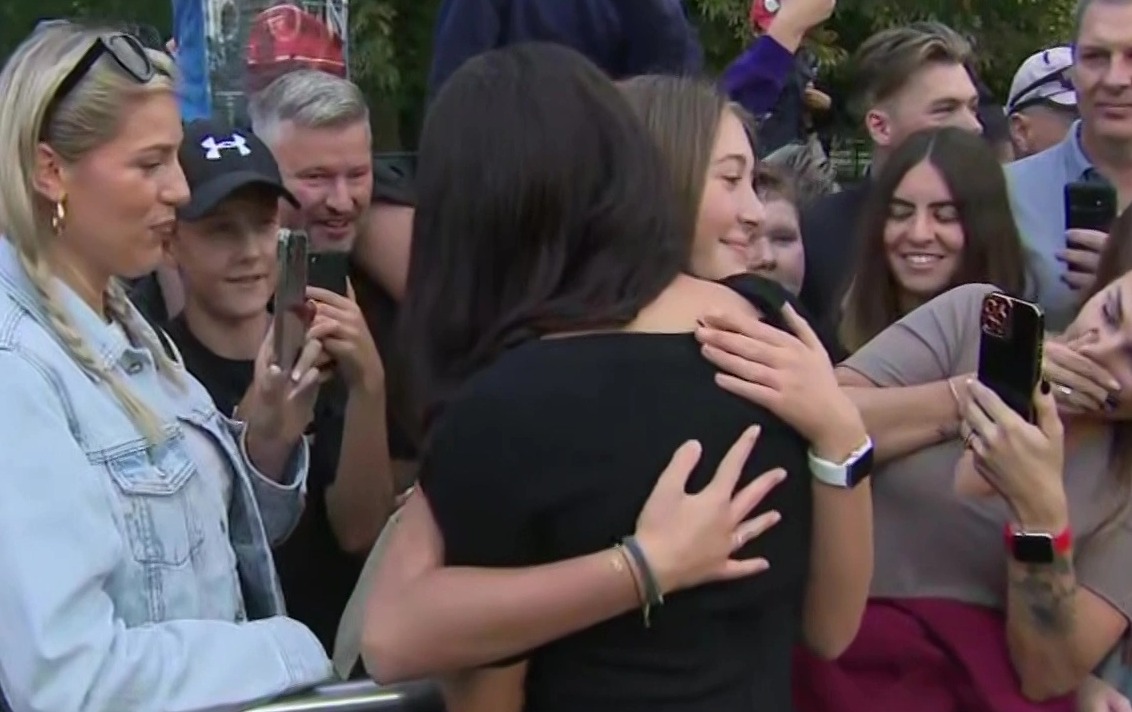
(135, 521)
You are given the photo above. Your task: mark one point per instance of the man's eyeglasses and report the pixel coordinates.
(1060, 76)
(127, 53)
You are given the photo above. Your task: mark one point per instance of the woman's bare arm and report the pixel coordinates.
(485, 690)
(423, 618)
(902, 420)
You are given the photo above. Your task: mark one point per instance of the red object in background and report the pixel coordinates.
(284, 38)
(762, 12)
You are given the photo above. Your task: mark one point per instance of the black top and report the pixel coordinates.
(316, 575)
(393, 184)
(830, 237)
(551, 452)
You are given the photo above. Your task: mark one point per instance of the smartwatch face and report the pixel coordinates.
(861, 469)
(1033, 548)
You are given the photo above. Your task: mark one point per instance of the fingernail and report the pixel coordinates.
(1111, 403)
(274, 371)
(296, 375)
(1045, 387)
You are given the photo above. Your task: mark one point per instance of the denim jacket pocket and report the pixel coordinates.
(160, 522)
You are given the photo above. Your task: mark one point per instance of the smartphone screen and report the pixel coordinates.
(290, 324)
(1089, 205)
(328, 270)
(1010, 350)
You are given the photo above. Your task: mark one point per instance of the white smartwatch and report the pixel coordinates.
(848, 474)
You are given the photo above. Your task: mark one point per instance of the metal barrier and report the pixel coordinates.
(361, 696)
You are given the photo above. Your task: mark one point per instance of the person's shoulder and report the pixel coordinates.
(971, 293)
(394, 179)
(759, 293)
(1036, 168)
(835, 211)
(25, 339)
(147, 297)
(957, 304)
(833, 202)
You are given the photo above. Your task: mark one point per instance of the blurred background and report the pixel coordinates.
(390, 46)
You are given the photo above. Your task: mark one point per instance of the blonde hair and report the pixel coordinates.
(887, 61)
(88, 117)
(682, 115)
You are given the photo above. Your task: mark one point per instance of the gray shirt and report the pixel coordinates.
(931, 542)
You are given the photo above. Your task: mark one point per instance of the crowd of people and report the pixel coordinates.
(625, 403)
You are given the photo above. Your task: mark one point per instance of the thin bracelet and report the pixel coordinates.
(652, 589)
(958, 405)
(626, 559)
(623, 559)
(955, 395)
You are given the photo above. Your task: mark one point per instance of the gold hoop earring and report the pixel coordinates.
(60, 217)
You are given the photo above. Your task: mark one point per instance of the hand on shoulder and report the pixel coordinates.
(787, 372)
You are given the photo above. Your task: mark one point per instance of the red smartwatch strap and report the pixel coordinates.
(1062, 542)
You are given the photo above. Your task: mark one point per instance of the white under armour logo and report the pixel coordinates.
(213, 147)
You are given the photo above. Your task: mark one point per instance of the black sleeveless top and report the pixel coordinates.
(550, 453)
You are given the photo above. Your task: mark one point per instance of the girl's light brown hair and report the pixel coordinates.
(682, 115)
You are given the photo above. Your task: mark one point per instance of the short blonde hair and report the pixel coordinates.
(88, 117)
(886, 61)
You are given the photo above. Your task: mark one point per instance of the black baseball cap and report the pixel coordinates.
(218, 161)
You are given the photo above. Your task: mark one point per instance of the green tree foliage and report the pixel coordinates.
(391, 39)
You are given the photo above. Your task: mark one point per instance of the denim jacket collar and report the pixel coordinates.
(107, 344)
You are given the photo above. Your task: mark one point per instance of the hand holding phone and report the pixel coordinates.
(329, 271)
(1090, 208)
(1089, 205)
(1012, 333)
(290, 312)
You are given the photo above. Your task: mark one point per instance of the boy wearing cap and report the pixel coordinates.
(1043, 103)
(225, 251)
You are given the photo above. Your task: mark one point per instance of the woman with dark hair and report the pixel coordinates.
(1002, 574)
(938, 217)
(552, 329)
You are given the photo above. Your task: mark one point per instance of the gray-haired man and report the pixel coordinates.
(317, 126)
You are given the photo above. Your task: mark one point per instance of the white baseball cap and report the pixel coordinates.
(1043, 78)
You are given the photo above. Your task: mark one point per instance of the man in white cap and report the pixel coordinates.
(1043, 103)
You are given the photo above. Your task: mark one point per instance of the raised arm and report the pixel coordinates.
(903, 419)
(65, 646)
(1066, 607)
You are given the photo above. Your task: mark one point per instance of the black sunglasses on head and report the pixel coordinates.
(126, 51)
(1061, 76)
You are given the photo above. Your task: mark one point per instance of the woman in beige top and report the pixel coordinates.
(911, 384)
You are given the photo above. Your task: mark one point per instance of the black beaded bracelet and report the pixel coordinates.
(653, 595)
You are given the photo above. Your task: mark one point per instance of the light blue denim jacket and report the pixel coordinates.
(117, 588)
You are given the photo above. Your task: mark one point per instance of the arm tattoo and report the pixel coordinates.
(1048, 595)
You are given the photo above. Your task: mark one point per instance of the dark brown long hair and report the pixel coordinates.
(1115, 262)
(543, 207)
(992, 248)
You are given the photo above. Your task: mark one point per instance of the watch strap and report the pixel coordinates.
(845, 474)
(1060, 543)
